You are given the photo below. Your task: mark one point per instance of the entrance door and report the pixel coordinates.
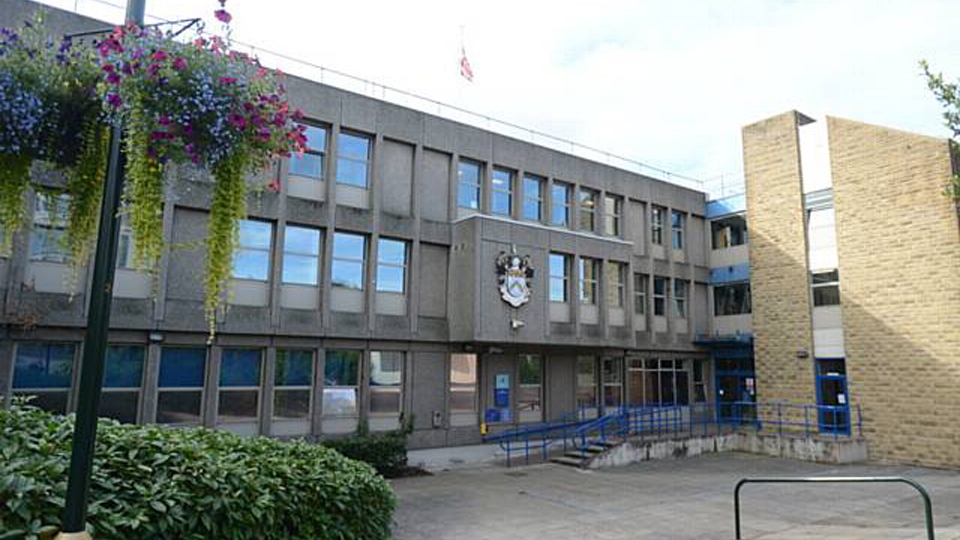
(833, 407)
(736, 391)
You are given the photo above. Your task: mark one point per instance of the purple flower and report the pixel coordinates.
(179, 64)
(114, 100)
(223, 16)
(113, 79)
(237, 120)
(228, 80)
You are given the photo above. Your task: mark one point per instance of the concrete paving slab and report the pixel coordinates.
(687, 499)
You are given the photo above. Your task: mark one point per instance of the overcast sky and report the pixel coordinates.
(666, 83)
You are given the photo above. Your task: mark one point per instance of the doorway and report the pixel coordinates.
(833, 407)
(736, 391)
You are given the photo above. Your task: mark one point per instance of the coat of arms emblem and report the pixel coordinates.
(514, 274)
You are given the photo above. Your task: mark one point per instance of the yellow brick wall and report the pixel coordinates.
(899, 246)
(778, 258)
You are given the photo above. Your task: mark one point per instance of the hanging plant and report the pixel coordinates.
(50, 111)
(194, 103)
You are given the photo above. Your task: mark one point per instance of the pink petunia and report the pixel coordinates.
(114, 100)
(180, 64)
(228, 80)
(223, 16)
(113, 78)
(159, 56)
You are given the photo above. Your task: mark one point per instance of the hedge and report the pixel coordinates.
(386, 453)
(155, 482)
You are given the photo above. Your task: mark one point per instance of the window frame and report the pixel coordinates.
(334, 259)
(473, 387)
(53, 228)
(286, 251)
(832, 284)
(227, 389)
(723, 228)
(495, 191)
(613, 215)
(723, 300)
(617, 280)
(266, 252)
(357, 388)
(584, 195)
(661, 298)
(641, 282)
(369, 139)
(593, 282)
(681, 288)
(527, 180)
(564, 279)
(126, 389)
(388, 264)
(387, 389)
(277, 386)
(583, 360)
(202, 389)
(656, 224)
(476, 188)
(565, 188)
(313, 151)
(537, 406)
(677, 226)
(35, 390)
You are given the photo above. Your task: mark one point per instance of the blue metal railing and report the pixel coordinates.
(699, 419)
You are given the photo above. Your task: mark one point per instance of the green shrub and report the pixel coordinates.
(154, 482)
(386, 453)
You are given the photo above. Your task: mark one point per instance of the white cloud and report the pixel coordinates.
(670, 84)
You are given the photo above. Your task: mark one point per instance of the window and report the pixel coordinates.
(122, 378)
(826, 288)
(125, 249)
(612, 210)
(386, 382)
(463, 382)
(353, 159)
(468, 184)
(502, 192)
(676, 225)
(612, 384)
(532, 197)
(349, 251)
(45, 371)
(699, 386)
(560, 204)
(252, 259)
(728, 232)
(662, 383)
(680, 287)
(180, 395)
(588, 210)
(586, 382)
(391, 265)
(301, 255)
(589, 276)
(616, 274)
(640, 284)
(733, 299)
(311, 163)
(47, 242)
(659, 296)
(292, 384)
(656, 224)
(559, 277)
(238, 398)
(341, 383)
(529, 396)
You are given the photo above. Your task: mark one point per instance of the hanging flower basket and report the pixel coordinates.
(181, 102)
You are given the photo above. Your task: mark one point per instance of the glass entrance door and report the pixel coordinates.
(736, 391)
(833, 407)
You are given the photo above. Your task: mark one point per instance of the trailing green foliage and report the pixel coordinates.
(948, 94)
(226, 210)
(162, 483)
(14, 178)
(85, 186)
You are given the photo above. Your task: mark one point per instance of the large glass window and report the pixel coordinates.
(391, 265)
(586, 382)
(469, 177)
(301, 255)
(180, 394)
(559, 277)
(589, 277)
(292, 384)
(386, 382)
(463, 382)
(660, 296)
(252, 259)
(612, 212)
(699, 382)
(680, 287)
(732, 299)
(612, 384)
(341, 383)
(588, 210)
(353, 159)
(532, 197)
(238, 398)
(728, 232)
(502, 203)
(640, 284)
(45, 371)
(658, 383)
(311, 163)
(616, 274)
(349, 253)
(122, 378)
(656, 224)
(677, 220)
(47, 242)
(826, 288)
(560, 204)
(529, 392)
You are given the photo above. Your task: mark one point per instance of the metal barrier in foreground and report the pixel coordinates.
(927, 504)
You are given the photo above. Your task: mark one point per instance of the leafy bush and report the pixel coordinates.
(154, 482)
(386, 453)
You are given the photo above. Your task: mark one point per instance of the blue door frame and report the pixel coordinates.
(833, 399)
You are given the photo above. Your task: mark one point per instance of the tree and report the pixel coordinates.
(948, 94)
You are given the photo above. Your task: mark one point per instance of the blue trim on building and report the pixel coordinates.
(730, 274)
(733, 204)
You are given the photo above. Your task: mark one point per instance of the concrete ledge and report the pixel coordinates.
(814, 448)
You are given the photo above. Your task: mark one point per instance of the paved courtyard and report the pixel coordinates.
(683, 499)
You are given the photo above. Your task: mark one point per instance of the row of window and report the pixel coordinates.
(649, 383)
(353, 157)
(616, 274)
(45, 371)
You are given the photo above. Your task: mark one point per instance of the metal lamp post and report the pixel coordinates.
(98, 325)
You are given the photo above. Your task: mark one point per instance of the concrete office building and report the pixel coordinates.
(370, 288)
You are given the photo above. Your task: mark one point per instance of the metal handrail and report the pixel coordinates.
(927, 504)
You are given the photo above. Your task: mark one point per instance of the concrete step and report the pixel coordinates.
(568, 461)
(576, 454)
